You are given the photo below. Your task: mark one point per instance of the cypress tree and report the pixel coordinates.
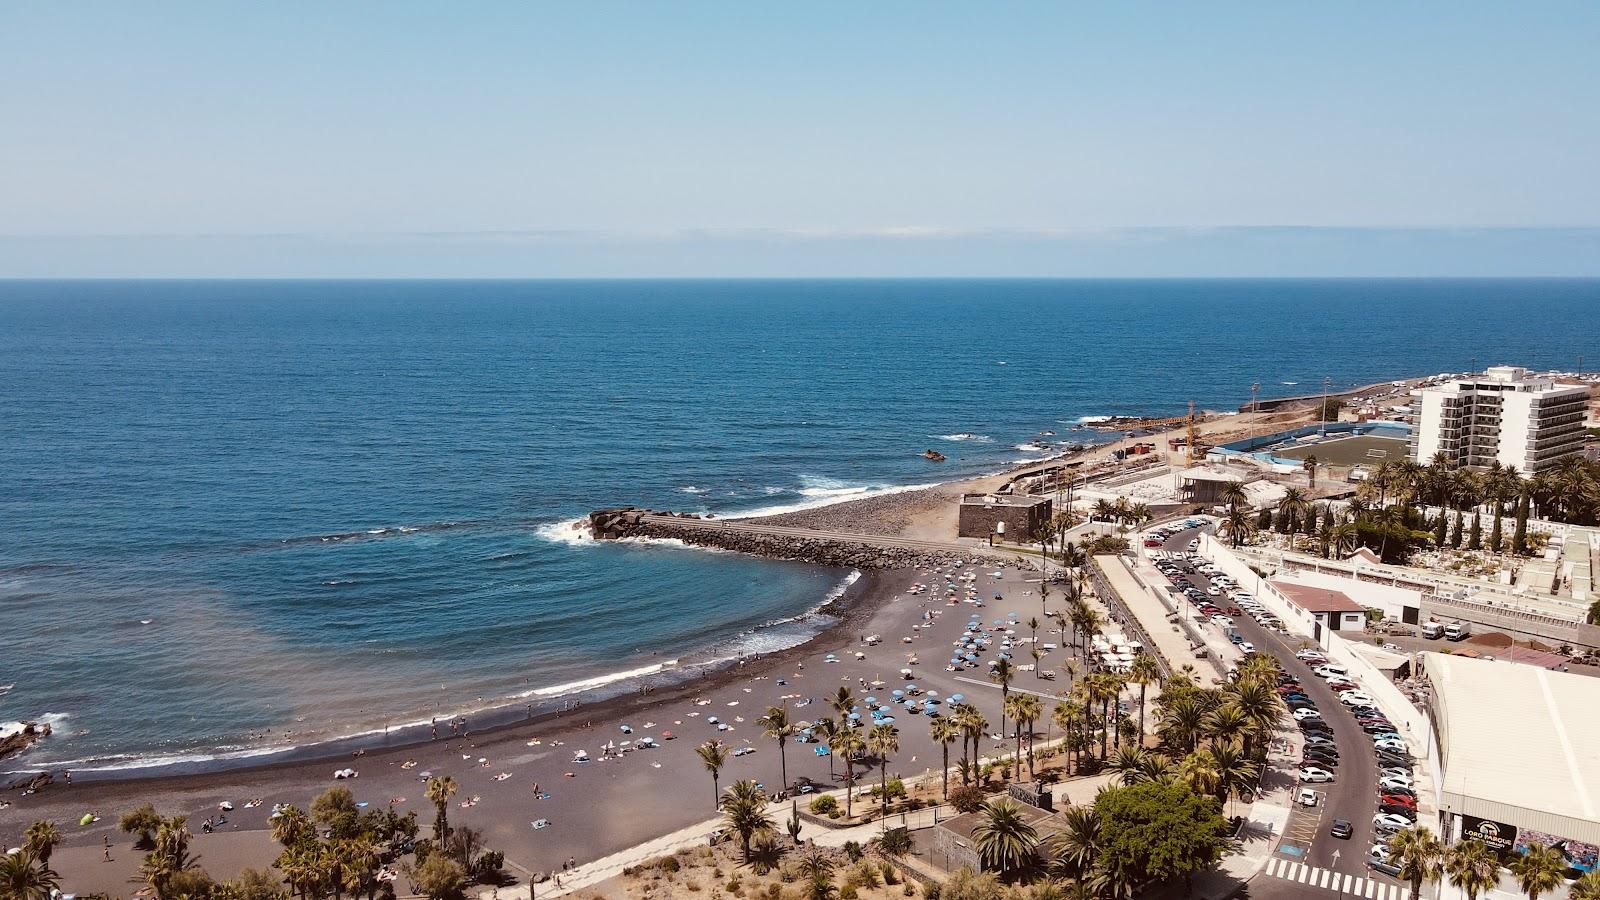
(1439, 527)
(1475, 537)
(1494, 532)
(1265, 522)
(1455, 533)
(1519, 536)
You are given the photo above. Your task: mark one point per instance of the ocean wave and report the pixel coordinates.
(366, 534)
(589, 684)
(692, 489)
(964, 436)
(124, 762)
(1034, 447)
(573, 532)
(826, 492)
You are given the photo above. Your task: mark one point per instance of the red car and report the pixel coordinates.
(1398, 800)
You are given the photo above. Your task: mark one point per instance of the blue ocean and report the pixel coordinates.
(235, 514)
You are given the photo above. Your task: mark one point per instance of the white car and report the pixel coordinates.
(1306, 797)
(1306, 713)
(1247, 648)
(1356, 698)
(1223, 621)
(1392, 820)
(1307, 654)
(1392, 745)
(1330, 671)
(1313, 775)
(1395, 782)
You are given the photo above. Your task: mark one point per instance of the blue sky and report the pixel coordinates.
(748, 139)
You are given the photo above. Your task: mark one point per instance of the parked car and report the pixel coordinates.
(1391, 744)
(1306, 797)
(1408, 800)
(1313, 774)
(1393, 820)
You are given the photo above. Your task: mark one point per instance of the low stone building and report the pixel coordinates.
(955, 847)
(1022, 516)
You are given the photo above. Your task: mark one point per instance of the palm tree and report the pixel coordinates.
(1105, 687)
(1585, 888)
(41, 839)
(713, 756)
(825, 728)
(1344, 537)
(1182, 722)
(1145, 671)
(1539, 869)
(23, 876)
(1310, 465)
(883, 740)
(1237, 525)
(744, 808)
(1069, 718)
(944, 731)
(1473, 868)
(1005, 840)
(291, 826)
(1418, 855)
(1225, 723)
(169, 857)
(1026, 710)
(1291, 507)
(1002, 674)
(843, 702)
(1199, 772)
(847, 743)
(1233, 494)
(776, 725)
(439, 790)
(972, 724)
(1078, 843)
(1236, 773)
(1129, 764)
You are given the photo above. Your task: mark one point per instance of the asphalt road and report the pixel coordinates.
(1353, 793)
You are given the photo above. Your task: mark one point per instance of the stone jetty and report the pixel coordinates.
(854, 551)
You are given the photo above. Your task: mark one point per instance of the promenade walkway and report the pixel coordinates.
(1148, 612)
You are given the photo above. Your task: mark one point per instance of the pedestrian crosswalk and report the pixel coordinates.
(1348, 885)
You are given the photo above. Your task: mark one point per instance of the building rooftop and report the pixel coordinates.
(1043, 821)
(1002, 500)
(1315, 599)
(1520, 744)
(1205, 473)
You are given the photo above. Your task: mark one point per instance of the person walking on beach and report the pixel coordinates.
(434, 724)
(107, 848)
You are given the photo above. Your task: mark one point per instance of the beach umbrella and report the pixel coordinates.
(957, 698)
(911, 687)
(897, 694)
(88, 818)
(932, 693)
(887, 720)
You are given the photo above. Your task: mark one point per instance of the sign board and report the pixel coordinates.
(1497, 836)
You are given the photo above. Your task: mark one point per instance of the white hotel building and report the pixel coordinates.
(1526, 422)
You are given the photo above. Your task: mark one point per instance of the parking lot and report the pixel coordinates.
(1333, 742)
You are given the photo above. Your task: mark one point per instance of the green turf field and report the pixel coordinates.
(1351, 451)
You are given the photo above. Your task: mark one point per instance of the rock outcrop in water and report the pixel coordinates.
(15, 743)
(628, 522)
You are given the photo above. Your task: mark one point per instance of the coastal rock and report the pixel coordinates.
(934, 455)
(18, 741)
(613, 524)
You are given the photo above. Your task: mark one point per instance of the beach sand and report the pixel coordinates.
(604, 806)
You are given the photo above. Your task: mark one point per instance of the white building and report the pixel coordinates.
(1525, 422)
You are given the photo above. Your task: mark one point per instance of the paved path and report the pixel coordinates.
(971, 547)
(1150, 614)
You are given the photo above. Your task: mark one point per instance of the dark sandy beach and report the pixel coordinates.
(605, 805)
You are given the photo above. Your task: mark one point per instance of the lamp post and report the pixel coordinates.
(1326, 383)
(1255, 388)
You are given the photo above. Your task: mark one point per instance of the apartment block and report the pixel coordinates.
(1525, 422)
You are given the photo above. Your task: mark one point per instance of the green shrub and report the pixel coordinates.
(825, 805)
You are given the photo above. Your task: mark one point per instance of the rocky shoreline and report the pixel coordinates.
(628, 522)
(15, 743)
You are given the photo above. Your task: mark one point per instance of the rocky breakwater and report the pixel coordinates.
(742, 537)
(16, 737)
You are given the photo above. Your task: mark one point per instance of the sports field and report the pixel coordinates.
(1363, 449)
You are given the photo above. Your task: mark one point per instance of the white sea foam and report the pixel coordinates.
(125, 763)
(691, 489)
(588, 684)
(573, 532)
(674, 543)
(1094, 420)
(826, 492)
(965, 436)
